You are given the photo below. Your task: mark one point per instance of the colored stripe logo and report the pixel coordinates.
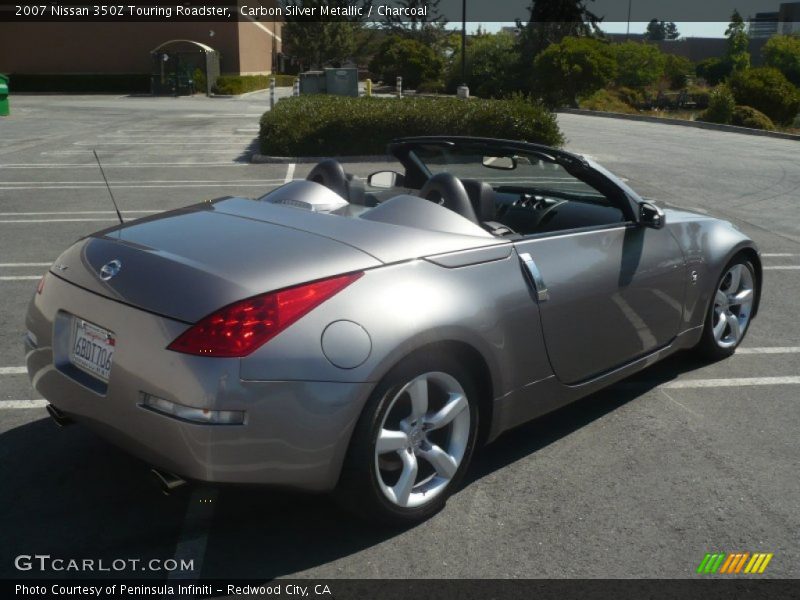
(734, 563)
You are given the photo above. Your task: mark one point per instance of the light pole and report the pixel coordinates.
(463, 42)
(628, 31)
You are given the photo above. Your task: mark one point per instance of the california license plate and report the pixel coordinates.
(92, 349)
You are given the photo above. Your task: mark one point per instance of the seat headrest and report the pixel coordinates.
(481, 196)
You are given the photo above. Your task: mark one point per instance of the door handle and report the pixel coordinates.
(536, 276)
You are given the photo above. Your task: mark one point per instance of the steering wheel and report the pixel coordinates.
(330, 173)
(447, 190)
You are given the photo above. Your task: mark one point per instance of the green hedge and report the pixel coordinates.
(747, 116)
(321, 125)
(241, 84)
(81, 83)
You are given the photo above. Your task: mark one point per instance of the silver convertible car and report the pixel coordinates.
(366, 337)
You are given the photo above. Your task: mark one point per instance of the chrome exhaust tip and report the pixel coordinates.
(167, 482)
(59, 417)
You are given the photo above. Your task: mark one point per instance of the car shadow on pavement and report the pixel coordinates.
(69, 494)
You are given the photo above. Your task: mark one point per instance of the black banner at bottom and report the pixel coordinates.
(402, 589)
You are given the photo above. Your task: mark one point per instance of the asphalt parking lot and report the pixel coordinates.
(640, 480)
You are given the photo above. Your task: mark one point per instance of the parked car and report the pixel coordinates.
(366, 338)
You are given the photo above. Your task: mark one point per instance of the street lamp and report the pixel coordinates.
(463, 42)
(628, 31)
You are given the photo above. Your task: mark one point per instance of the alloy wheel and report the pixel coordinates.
(733, 304)
(422, 439)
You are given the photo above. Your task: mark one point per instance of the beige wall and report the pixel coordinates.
(256, 47)
(125, 47)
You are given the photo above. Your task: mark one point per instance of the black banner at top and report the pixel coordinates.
(377, 11)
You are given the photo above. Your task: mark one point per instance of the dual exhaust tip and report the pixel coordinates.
(166, 481)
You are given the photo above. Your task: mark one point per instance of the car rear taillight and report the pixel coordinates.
(242, 327)
(40, 287)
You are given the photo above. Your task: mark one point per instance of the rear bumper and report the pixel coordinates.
(295, 433)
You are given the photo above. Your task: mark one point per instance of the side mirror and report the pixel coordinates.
(505, 163)
(651, 215)
(386, 180)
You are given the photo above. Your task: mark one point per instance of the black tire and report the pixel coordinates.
(707, 347)
(358, 490)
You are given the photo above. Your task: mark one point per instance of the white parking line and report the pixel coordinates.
(15, 265)
(11, 404)
(783, 268)
(777, 254)
(733, 382)
(8, 187)
(119, 165)
(85, 220)
(76, 212)
(12, 370)
(289, 173)
(20, 277)
(770, 350)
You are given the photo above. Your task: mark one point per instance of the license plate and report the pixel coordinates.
(92, 349)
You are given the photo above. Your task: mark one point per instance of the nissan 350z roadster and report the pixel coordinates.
(365, 338)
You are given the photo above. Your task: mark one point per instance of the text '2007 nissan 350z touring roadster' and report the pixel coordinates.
(366, 337)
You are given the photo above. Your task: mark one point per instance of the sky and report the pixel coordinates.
(688, 29)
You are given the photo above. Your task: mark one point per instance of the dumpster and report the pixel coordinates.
(312, 82)
(4, 108)
(342, 82)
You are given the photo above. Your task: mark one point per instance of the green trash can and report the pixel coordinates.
(4, 109)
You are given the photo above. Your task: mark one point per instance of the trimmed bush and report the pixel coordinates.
(767, 89)
(318, 125)
(720, 106)
(747, 116)
(233, 85)
(81, 83)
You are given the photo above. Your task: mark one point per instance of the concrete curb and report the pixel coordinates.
(264, 159)
(682, 123)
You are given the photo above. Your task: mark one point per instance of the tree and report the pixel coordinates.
(656, 31)
(553, 20)
(677, 70)
(414, 61)
(638, 65)
(738, 55)
(574, 68)
(713, 70)
(767, 89)
(671, 31)
(783, 53)
(317, 42)
(491, 59)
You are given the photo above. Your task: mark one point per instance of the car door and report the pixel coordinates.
(606, 295)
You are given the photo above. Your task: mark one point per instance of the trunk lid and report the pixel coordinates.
(188, 263)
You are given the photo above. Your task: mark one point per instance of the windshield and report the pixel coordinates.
(505, 169)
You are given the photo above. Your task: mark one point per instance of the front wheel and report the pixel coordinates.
(730, 310)
(413, 442)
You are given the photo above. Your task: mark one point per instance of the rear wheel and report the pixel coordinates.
(413, 442)
(730, 310)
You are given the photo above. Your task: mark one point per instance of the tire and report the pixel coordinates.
(720, 340)
(432, 448)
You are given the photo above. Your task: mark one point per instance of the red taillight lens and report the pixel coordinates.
(40, 287)
(238, 329)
